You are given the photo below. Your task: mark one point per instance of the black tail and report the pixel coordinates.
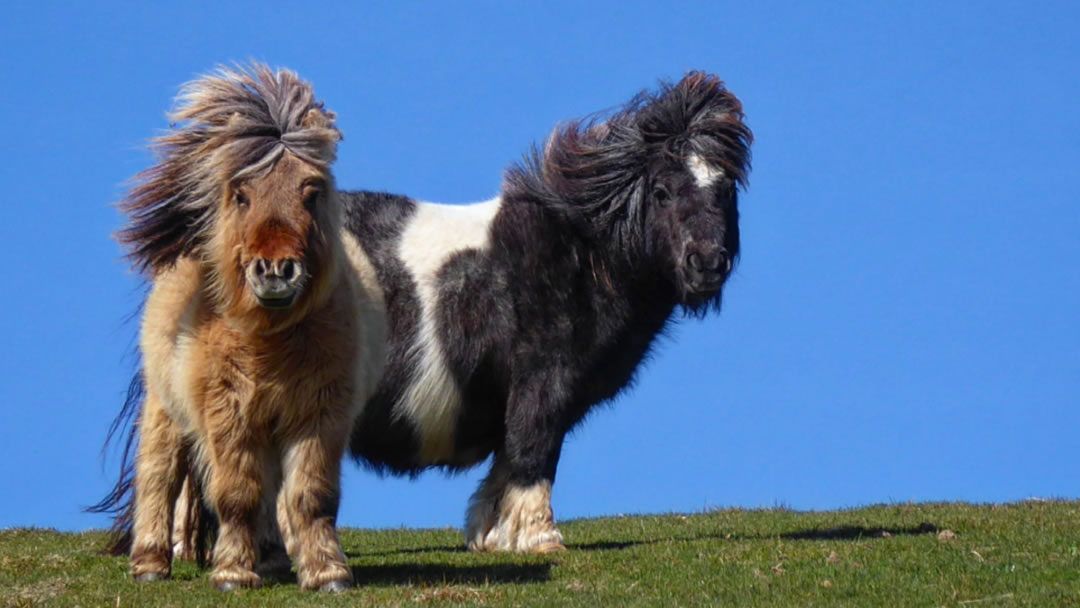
(120, 502)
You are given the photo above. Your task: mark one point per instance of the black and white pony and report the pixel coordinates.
(510, 319)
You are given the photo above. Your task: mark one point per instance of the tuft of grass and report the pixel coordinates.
(1023, 554)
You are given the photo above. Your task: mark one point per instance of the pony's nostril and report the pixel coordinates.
(695, 262)
(291, 270)
(722, 262)
(260, 268)
(287, 269)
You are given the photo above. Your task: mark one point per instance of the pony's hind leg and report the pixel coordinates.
(235, 490)
(311, 494)
(483, 512)
(184, 522)
(160, 468)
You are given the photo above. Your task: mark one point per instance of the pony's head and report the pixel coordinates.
(698, 157)
(243, 185)
(659, 179)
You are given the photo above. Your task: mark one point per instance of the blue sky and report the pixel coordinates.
(903, 325)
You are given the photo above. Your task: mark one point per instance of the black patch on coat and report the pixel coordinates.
(474, 319)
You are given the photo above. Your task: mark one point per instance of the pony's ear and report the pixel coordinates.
(317, 118)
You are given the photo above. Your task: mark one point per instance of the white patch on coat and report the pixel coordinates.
(704, 174)
(433, 399)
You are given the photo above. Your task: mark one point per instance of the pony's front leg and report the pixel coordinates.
(160, 467)
(235, 490)
(311, 495)
(511, 511)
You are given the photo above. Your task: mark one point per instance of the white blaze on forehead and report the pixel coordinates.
(433, 235)
(704, 174)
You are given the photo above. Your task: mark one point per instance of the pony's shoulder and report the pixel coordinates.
(174, 298)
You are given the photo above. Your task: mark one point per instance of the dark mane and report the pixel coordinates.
(595, 171)
(233, 124)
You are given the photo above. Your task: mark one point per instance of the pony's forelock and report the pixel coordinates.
(233, 124)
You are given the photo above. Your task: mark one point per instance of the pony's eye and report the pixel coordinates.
(312, 199)
(241, 199)
(661, 196)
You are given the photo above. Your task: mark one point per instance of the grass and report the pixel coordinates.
(1023, 554)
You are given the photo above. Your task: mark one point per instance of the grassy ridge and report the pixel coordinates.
(1023, 554)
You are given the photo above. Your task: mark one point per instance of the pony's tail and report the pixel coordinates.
(120, 501)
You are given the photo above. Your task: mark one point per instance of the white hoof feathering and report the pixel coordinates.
(521, 521)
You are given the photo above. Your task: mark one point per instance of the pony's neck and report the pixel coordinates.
(625, 280)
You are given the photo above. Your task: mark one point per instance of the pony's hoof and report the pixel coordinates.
(335, 587)
(150, 577)
(230, 586)
(549, 547)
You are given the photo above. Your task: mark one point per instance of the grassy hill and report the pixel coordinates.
(1023, 554)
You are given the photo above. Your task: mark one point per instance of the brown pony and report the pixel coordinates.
(259, 344)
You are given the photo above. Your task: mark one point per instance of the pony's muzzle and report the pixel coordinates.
(707, 267)
(276, 283)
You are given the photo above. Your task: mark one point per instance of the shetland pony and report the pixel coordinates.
(260, 341)
(510, 319)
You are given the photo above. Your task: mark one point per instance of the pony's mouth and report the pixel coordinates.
(701, 284)
(276, 302)
(274, 293)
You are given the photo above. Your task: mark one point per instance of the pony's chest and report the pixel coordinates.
(276, 383)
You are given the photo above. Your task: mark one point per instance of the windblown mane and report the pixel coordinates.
(233, 124)
(595, 170)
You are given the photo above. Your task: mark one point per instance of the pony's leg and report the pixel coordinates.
(517, 492)
(235, 491)
(483, 512)
(523, 522)
(159, 472)
(311, 497)
(181, 534)
(287, 536)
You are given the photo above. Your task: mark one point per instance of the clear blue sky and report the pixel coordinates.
(903, 325)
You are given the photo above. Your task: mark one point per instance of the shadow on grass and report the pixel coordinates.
(834, 533)
(626, 544)
(860, 532)
(413, 551)
(414, 574)
(608, 545)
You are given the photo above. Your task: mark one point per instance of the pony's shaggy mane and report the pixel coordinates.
(230, 125)
(594, 170)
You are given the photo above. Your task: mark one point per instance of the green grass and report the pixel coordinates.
(1022, 554)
